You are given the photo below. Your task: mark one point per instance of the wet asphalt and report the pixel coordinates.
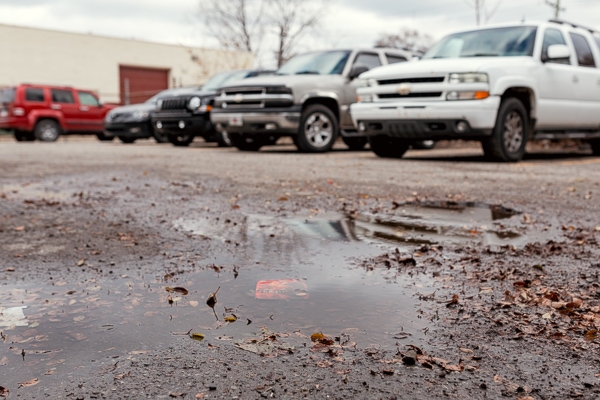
(109, 252)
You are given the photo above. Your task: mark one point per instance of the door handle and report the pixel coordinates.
(55, 107)
(83, 108)
(575, 79)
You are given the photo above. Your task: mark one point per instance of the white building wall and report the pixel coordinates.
(29, 55)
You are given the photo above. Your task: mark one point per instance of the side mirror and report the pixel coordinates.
(100, 103)
(356, 71)
(558, 52)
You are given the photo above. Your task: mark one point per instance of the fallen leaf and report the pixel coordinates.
(197, 336)
(320, 338)
(230, 319)
(591, 335)
(29, 383)
(177, 289)
(212, 298)
(4, 392)
(177, 394)
(9, 269)
(81, 262)
(19, 228)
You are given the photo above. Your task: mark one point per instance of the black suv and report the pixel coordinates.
(181, 118)
(132, 122)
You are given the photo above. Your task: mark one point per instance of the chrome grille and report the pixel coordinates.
(436, 79)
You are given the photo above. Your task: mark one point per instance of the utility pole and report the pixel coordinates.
(556, 6)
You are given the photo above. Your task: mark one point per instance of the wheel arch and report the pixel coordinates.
(526, 96)
(329, 102)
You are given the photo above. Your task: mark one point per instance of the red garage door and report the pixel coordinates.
(138, 84)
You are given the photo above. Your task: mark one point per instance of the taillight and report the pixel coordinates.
(18, 111)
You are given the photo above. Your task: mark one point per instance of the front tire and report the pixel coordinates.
(388, 147)
(510, 134)
(355, 143)
(47, 130)
(160, 137)
(318, 129)
(181, 140)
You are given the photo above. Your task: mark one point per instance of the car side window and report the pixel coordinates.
(553, 36)
(369, 60)
(585, 58)
(393, 58)
(34, 94)
(62, 96)
(88, 99)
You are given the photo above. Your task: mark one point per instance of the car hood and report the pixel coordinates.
(133, 108)
(443, 66)
(288, 80)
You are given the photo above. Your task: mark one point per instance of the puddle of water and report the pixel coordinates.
(283, 274)
(75, 328)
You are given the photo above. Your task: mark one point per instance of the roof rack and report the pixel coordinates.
(560, 21)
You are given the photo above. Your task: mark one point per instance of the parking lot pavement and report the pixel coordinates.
(113, 249)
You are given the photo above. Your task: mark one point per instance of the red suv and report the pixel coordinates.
(45, 112)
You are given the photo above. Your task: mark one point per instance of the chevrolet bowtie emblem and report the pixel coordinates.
(238, 98)
(403, 89)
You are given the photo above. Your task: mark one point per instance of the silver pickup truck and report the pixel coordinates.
(308, 99)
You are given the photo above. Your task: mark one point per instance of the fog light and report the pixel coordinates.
(159, 124)
(134, 130)
(270, 127)
(181, 124)
(362, 127)
(461, 127)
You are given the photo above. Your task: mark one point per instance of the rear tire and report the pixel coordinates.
(102, 137)
(181, 140)
(355, 143)
(318, 129)
(127, 140)
(222, 138)
(246, 142)
(510, 134)
(595, 145)
(47, 130)
(22, 136)
(388, 147)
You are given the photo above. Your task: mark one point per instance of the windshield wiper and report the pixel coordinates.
(482, 55)
(307, 72)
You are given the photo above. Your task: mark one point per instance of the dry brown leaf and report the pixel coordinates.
(30, 383)
(19, 228)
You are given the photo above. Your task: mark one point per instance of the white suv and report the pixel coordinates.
(502, 86)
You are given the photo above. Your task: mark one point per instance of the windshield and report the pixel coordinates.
(498, 42)
(322, 63)
(220, 79)
(171, 92)
(7, 95)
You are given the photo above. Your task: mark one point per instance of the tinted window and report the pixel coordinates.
(368, 60)
(553, 36)
(34, 94)
(7, 95)
(62, 96)
(87, 99)
(321, 63)
(582, 48)
(393, 59)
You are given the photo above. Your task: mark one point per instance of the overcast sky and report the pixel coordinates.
(347, 23)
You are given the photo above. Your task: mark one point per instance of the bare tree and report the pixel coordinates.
(483, 10)
(556, 6)
(407, 39)
(236, 24)
(291, 20)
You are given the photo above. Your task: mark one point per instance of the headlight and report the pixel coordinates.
(468, 78)
(367, 82)
(194, 103)
(140, 114)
